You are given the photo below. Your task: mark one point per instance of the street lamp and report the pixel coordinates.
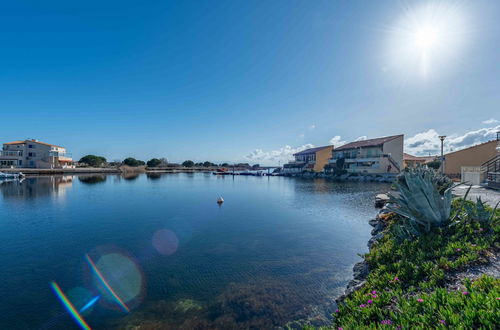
(442, 137)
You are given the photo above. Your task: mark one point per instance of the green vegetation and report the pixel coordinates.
(132, 162)
(153, 162)
(407, 284)
(424, 198)
(435, 164)
(93, 160)
(188, 163)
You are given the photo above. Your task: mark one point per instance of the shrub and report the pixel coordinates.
(188, 163)
(435, 164)
(154, 162)
(133, 162)
(93, 160)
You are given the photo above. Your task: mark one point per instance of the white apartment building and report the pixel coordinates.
(34, 154)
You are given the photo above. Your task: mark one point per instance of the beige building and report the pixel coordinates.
(373, 156)
(312, 160)
(473, 156)
(34, 154)
(410, 161)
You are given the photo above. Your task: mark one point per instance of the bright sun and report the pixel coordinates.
(427, 37)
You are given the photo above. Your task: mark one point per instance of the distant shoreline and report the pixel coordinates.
(103, 170)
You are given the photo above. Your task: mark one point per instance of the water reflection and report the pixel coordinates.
(130, 176)
(153, 176)
(92, 179)
(35, 187)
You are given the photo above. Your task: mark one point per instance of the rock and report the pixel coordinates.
(374, 222)
(353, 286)
(374, 239)
(381, 199)
(378, 228)
(361, 270)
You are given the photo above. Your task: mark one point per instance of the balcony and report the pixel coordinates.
(60, 154)
(7, 153)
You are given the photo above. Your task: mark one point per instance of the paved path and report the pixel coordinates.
(490, 196)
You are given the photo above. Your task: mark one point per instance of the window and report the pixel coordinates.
(30, 146)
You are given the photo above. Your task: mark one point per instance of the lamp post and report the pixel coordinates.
(442, 137)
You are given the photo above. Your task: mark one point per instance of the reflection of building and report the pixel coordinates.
(313, 160)
(34, 154)
(36, 187)
(473, 156)
(410, 161)
(380, 155)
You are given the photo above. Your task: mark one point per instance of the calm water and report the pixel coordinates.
(278, 250)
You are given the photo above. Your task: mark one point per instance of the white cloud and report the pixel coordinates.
(272, 157)
(425, 143)
(490, 121)
(337, 141)
(311, 127)
(302, 135)
(362, 138)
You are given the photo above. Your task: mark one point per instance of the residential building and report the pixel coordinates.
(311, 160)
(491, 168)
(473, 156)
(410, 161)
(34, 154)
(373, 156)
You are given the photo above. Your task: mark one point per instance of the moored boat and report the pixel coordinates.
(4, 175)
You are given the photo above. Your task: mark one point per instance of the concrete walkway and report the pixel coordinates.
(489, 196)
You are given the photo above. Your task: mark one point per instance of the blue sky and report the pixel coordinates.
(243, 80)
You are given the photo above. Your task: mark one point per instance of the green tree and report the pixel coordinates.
(93, 160)
(208, 164)
(188, 163)
(130, 161)
(435, 164)
(154, 162)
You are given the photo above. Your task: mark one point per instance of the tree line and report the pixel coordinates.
(99, 161)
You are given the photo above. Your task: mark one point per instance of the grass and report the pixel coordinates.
(406, 285)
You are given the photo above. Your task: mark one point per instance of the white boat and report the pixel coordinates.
(11, 175)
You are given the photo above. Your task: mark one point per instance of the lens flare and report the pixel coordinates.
(165, 242)
(106, 284)
(89, 304)
(69, 306)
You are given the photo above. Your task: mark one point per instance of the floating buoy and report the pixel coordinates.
(220, 200)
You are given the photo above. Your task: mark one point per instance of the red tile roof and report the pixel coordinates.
(311, 150)
(417, 158)
(33, 141)
(368, 143)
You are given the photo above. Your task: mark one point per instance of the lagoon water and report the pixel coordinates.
(158, 251)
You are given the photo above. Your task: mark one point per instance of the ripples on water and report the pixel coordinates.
(277, 252)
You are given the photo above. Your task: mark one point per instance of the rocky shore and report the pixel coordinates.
(490, 265)
(362, 269)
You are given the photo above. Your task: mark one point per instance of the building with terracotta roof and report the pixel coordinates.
(34, 154)
(373, 156)
(310, 160)
(410, 161)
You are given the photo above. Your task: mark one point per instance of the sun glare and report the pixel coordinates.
(427, 38)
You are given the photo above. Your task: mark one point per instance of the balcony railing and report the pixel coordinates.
(59, 154)
(6, 153)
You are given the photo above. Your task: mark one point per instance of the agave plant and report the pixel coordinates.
(423, 198)
(479, 211)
